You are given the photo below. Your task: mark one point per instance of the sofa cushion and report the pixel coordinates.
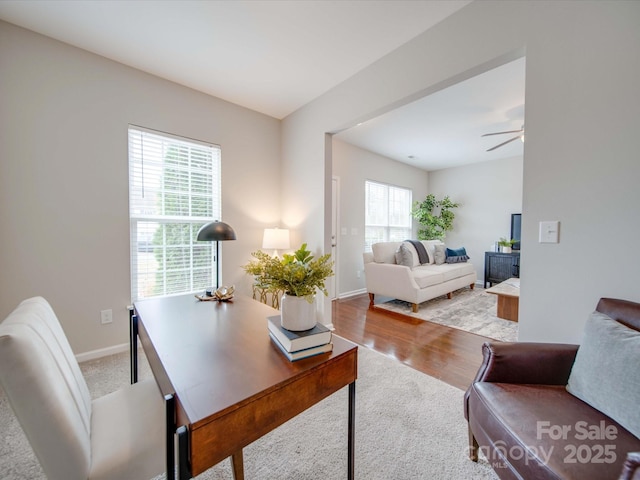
(450, 271)
(426, 276)
(439, 254)
(385, 252)
(605, 374)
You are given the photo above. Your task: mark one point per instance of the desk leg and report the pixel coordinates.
(351, 432)
(170, 423)
(238, 465)
(184, 472)
(133, 345)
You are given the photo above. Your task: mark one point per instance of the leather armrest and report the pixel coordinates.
(631, 469)
(533, 363)
(525, 362)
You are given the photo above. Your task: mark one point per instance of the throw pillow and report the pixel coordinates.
(458, 255)
(439, 254)
(406, 255)
(430, 246)
(605, 373)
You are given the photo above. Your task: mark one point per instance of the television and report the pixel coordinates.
(516, 224)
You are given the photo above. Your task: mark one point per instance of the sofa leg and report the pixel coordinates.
(473, 446)
(371, 295)
(472, 286)
(414, 307)
(449, 295)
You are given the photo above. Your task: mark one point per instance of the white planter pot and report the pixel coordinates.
(296, 314)
(506, 249)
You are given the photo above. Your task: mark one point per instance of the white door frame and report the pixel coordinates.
(335, 247)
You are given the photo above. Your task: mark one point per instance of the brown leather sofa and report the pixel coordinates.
(528, 426)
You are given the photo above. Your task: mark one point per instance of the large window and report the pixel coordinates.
(387, 213)
(174, 188)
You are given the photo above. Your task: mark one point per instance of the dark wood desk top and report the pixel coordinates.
(218, 357)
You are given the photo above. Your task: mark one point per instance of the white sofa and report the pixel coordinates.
(412, 281)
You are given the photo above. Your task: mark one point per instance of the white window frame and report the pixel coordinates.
(384, 221)
(164, 263)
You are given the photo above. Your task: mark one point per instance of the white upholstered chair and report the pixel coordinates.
(118, 436)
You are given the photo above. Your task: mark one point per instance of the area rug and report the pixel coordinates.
(408, 426)
(469, 310)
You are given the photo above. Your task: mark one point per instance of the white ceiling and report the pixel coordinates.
(274, 56)
(445, 128)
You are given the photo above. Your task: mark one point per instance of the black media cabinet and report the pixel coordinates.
(499, 267)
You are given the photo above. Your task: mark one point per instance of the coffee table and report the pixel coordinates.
(508, 293)
(225, 383)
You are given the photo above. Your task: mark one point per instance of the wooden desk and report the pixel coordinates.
(230, 385)
(508, 293)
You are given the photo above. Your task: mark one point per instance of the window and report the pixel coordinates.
(387, 214)
(174, 188)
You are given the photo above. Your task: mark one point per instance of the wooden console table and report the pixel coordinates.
(508, 293)
(225, 383)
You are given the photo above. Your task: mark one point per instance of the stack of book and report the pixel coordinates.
(298, 345)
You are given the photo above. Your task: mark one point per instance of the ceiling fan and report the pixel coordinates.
(519, 136)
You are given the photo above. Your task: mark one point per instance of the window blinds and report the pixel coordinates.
(174, 188)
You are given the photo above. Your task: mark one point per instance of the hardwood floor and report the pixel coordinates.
(448, 354)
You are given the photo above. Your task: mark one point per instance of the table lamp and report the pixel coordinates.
(216, 232)
(276, 239)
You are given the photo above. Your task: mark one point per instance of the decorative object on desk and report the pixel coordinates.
(297, 275)
(222, 294)
(275, 239)
(216, 232)
(294, 341)
(506, 245)
(435, 217)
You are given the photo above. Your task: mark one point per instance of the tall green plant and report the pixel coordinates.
(435, 217)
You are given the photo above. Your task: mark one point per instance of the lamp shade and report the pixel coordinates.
(215, 232)
(275, 238)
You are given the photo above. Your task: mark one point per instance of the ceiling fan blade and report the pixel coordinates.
(504, 143)
(500, 133)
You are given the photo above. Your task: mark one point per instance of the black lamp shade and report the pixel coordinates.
(215, 232)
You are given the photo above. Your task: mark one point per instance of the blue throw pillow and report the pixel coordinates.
(457, 255)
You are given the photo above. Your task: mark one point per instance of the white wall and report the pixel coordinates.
(64, 177)
(354, 166)
(580, 163)
(489, 193)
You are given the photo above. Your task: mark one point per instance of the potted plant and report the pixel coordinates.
(506, 245)
(435, 217)
(299, 276)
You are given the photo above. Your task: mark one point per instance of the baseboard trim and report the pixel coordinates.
(352, 293)
(102, 352)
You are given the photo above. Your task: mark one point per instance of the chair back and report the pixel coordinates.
(45, 387)
(624, 311)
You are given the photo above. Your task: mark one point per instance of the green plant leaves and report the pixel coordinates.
(435, 217)
(296, 274)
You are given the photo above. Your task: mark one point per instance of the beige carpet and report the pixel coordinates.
(469, 310)
(408, 426)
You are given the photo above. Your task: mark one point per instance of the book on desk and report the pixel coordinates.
(297, 345)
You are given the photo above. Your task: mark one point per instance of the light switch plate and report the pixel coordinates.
(549, 232)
